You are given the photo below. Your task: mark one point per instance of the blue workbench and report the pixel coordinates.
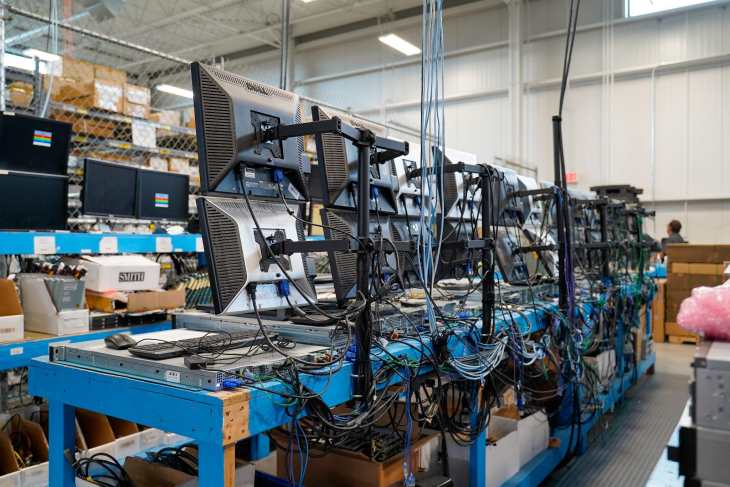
(217, 420)
(51, 243)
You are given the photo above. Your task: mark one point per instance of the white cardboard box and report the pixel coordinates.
(120, 273)
(41, 314)
(129, 446)
(10, 480)
(35, 476)
(502, 456)
(534, 436)
(11, 328)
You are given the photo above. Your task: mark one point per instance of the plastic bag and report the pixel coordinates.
(707, 312)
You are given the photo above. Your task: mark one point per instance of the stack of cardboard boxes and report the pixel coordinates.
(690, 266)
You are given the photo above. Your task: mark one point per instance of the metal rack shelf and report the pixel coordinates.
(128, 146)
(115, 117)
(60, 243)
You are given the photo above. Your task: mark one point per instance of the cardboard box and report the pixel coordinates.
(77, 69)
(658, 311)
(188, 119)
(106, 73)
(166, 117)
(96, 430)
(11, 313)
(157, 163)
(35, 476)
(10, 480)
(20, 94)
(119, 272)
(342, 468)
(676, 282)
(136, 302)
(706, 269)
(679, 268)
(101, 94)
(101, 129)
(41, 314)
(690, 253)
(135, 110)
(534, 436)
(502, 453)
(673, 329)
(179, 165)
(139, 95)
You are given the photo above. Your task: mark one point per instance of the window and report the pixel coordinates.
(642, 7)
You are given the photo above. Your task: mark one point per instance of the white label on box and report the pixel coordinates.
(16, 351)
(163, 244)
(199, 245)
(85, 251)
(250, 173)
(172, 376)
(108, 245)
(44, 245)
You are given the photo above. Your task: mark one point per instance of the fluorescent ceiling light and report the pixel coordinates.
(307, 1)
(175, 90)
(399, 44)
(42, 55)
(643, 7)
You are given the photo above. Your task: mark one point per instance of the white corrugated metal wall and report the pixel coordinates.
(649, 104)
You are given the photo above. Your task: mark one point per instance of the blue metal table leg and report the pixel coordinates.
(216, 465)
(62, 437)
(477, 453)
(260, 446)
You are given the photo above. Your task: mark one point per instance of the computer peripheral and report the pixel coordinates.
(34, 144)
(210, 343)
(338, 160)
(239, 258)
(33, 201)
(109, 190)
(231, 115)
(120, 341)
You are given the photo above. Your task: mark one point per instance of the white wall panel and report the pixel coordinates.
(670, 174)
(706, 134)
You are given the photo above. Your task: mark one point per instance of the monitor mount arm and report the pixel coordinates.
(366, 142)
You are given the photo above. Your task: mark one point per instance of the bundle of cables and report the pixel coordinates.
(102, 469)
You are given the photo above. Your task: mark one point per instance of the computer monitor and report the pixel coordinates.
(508, 210)
(411, 195)
(339, 160)
(518, 267)
(109, 189)
(342, 224)
(33, 144)
(462, 193)
(231, 113)
(162, 195)
(454, 261)
(33, 201)
(238, 257)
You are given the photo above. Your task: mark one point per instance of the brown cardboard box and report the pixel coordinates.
(673, 329)
(136, 101)
(722, 253)
(8, 461)
(179, 165)
(658, 311)
(166, 117)
(109, 74)
(101, 94)
(691, 253)
(122, 427)
(136, 111)
(678, 281)
(81, 125)
(77, 69)
(20, 94)
(135, 302)
(95, 428)
(34, 434)
(342, 468)
(705, 269)
(147, 474)
(157, 163)
(679, 268)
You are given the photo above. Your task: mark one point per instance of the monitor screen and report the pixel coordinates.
(33, 144)
(33, 201)
(162, 195)
(109, 189)
(231, 114)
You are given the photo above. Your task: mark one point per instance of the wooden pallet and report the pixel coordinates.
(684, 339)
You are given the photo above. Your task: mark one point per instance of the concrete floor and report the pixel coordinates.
(627, 452)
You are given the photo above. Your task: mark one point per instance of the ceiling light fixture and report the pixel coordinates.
(175, 90)
(399, 44)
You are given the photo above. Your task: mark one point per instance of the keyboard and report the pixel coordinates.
(210, 343)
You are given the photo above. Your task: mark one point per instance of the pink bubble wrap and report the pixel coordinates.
(707, 312)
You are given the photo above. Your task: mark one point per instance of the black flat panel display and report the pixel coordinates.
(33, 201)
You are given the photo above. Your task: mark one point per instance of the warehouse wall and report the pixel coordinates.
(647, 106)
